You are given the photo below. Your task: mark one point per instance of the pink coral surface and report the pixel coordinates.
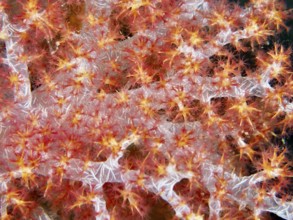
(144, 109)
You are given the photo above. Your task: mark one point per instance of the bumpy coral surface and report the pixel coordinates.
(145, 109)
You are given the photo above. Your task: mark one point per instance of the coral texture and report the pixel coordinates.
(144, 109)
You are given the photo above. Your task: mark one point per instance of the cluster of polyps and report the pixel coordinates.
(110, 107)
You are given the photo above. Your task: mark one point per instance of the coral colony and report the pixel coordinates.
(145, 109)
